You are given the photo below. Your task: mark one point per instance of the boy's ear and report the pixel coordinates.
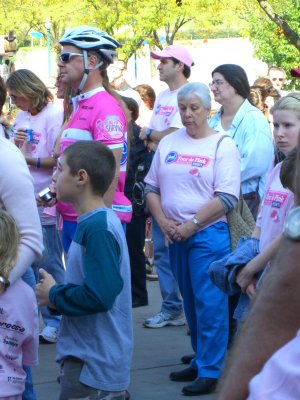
(82, 177)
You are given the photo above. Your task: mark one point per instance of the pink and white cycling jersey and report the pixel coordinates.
(276, 203)
(98, 116)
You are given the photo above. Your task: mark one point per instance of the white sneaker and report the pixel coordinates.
(48, 335)
(162, 319)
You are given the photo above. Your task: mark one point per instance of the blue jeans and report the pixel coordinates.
(52, 263)
(172, 302)
(29, 392)
(205, 306)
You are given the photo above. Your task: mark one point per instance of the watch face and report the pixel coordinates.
(292, 224)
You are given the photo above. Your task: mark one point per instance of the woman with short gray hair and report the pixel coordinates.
(193, 182)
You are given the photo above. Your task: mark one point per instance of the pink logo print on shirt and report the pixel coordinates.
(110, 128)
(275, 199)
(187, 159)
(195, 172)
(166, 111)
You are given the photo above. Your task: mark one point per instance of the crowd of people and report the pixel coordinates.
(83, 178)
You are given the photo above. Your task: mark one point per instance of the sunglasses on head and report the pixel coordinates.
(66, 56)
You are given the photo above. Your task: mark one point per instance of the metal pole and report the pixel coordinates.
(49, 51)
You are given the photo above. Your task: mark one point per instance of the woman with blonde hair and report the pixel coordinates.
(37, 126)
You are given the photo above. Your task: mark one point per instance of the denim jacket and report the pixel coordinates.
(252, 136)
(223, 272)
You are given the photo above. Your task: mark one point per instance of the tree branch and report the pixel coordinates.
(288, 32)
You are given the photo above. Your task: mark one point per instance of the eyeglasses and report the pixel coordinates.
(216, 83)
(277, 79)
(65, 57)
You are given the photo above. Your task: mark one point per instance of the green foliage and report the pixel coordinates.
(135, 21)
(271, 46)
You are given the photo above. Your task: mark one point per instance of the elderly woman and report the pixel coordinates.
(246, 125)
(193, 182)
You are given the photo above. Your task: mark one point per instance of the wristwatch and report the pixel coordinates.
(291, 228)
(4, 282)
(196, 222)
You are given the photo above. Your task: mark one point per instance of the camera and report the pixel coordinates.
(46, 194)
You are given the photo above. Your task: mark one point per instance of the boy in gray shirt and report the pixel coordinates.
(95, 339)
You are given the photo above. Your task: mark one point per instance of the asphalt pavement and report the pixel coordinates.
(157, 352)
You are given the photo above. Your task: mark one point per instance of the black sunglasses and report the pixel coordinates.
(65, 57)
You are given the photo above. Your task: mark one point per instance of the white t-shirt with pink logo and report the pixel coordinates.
(46, 126)
(98, 116)
(189, 172)
(165, 111)
(276, 203)
(18, 337)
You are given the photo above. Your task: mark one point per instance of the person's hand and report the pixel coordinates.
(42, 289)
(142, 134)
(245, 275)
(184, 231)
(168, 226)
(251, 290)
(151, 146)
(20, 138)
(43, 203)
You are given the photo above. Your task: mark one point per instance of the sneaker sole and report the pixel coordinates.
(152, 277)
(163, 324)
(44, 340)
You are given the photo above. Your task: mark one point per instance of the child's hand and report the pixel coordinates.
(251, 290)
(246, 274)
(42, 289)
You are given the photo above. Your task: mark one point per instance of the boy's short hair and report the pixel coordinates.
(96, 159)
(287, 170)
(9, 243)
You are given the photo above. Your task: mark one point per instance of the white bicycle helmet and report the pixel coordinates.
(90, 38)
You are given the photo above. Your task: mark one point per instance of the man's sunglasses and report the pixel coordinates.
(66, 56)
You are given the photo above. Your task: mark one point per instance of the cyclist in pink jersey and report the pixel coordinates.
(97, 113)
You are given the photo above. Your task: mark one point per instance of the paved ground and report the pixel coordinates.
(157, 353)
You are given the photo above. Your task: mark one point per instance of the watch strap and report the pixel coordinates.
(148, 133)
(4, 282)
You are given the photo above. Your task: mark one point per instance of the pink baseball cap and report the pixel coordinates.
(178, 52)
(295, 72)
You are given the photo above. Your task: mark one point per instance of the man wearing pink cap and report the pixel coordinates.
(174, 69)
